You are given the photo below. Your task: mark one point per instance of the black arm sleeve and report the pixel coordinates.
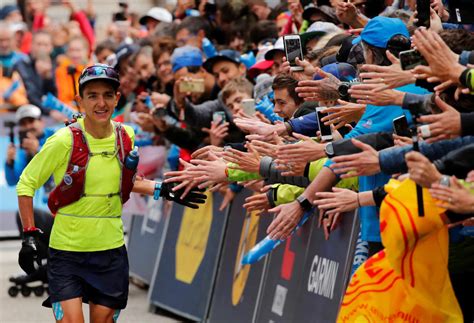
(467, 124)
(379, 194)
(378, 141)
(457, 162)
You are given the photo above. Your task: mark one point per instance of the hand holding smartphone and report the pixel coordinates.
(218, 117)
(409, 59)
(248, 105)
(326, 134)
(400, 127)
(293, 50)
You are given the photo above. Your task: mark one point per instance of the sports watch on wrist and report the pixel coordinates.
(343, 90)
(304, 203)
(329, 150)
(157, 192)
(445, 181)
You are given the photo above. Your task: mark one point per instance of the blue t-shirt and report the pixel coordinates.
(377, 119)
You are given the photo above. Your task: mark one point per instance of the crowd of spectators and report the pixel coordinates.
(208, 86)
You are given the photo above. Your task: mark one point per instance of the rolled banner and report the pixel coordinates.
(11, 90)
(53, 103)
(266, 245)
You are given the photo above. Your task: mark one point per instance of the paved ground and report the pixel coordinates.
(25, 310)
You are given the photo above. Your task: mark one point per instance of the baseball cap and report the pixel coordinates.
(186, 56)
(277, 47)
(27, 111)
(343, 71)
(7, 10)
(263, 86)
(380, 30)
(259, 66)
(99, 72)
(122, 52)
(157, 13)
(327, 12)
(229, 55)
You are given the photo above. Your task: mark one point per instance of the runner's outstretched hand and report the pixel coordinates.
(192, 199)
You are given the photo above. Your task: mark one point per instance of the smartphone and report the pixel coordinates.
(194, 86)
(293, 49)
(219, 117)
(248, 105)
(326, 134)
(423, 13)
(400, 127)
(409, 59)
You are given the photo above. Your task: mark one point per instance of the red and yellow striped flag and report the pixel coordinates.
(408, 281)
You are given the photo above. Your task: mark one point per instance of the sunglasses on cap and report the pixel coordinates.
(97, 70)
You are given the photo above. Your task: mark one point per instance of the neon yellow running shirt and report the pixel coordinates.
(94, 222)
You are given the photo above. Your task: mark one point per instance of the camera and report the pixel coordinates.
(11, 125)
(344, 88)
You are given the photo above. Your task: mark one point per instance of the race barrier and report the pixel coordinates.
(237, 286)
(145, 240)
(184, 277)
(199, 274)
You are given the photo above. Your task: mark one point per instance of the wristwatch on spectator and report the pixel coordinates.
(329, 150)
(343, 91)
(445, 181)
(304, 203)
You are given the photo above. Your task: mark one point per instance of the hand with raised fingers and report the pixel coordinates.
(182, 178)
(365, 163)
(208, 172)
(456, 197)
(444, 125)
(292, 168)
(246, 161)
(203, 153)
(340, 200)
(257, 202)
(306, 150)
(319, 90)
(286, 218)
(192, 199)
(443, 63)
(366, 94)
(217, 132)
(421, 170)
(386, 77)
(345, 113)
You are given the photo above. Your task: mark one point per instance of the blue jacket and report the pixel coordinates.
(12, 173)
(305, 125)
(377, 119)
(392, 160)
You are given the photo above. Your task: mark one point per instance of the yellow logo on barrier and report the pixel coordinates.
(248, 238)
(192, 240)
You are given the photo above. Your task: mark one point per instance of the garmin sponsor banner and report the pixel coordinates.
(284, 277)
(237, 286)
(146, 238)
(326, 271)
(186, 269)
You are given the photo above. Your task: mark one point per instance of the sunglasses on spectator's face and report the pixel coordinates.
(99, 70)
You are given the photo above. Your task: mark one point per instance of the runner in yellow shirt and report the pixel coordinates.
(93, 164)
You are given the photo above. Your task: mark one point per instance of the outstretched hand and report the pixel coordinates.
(192, 199)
